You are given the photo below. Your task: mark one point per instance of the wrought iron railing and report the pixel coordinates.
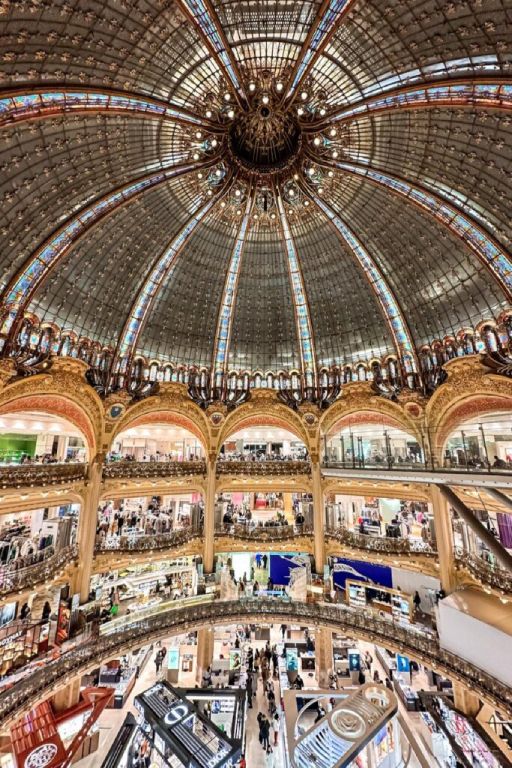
(150, 469)
(430, 465)
(263, 468)
(28, 475)
(42, 566)
(487, 573)
(382, 544)
(262, 533)
(418, 643)
(147, 543)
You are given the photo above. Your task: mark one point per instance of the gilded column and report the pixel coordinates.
(318, 517)
(323, 655)
(87, 528)
(204, 652)
(444, 539)
(209, 515)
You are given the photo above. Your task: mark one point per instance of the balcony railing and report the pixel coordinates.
(487, 573)
(150, 469)
(40, 567)
(263, 468)
(382, 544)
(420, 644)
(145, 543)
(389, 465)
(262, 533)
(28, 475)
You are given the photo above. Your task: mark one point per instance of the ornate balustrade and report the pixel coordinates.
(262, 533)
(149, 543)
(264, 468)
(42, 566)
(151, 469)
(420, 644)
(381, 544)
(489, 574)
(28, 475)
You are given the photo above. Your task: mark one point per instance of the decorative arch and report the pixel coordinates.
(261, 411)
(64, 392)
(171, 405)
(358, 400)
(470, 391)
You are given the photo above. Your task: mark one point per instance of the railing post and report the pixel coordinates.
(87, 528)
(444, 539)
(318, 517)
(209, 514)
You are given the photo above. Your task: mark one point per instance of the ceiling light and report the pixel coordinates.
(199, 175)
(291, 192)
(223, 204)
(332, 132)
(335, 154)
(296, 176)
(209, 113)
(311, 171)
(237, 193)
(252, 87)
(330, 174)
(214, 142)
(265, 99)
(196, 155)
(199, 135)
(272, 215)
(300, 111)
(322, 112)
(255, 216)
(320, 190)
(238, 213)
(304, 95)
(218, 172)
(306, 202)
(227, 97)
(209, 193)
(279, 86)
(231, 114)
(317, 141)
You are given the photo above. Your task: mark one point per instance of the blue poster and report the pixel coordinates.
(402, 663)
(370, 573)
(281, 566)
(354, 661)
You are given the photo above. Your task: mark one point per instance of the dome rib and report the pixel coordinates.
(202, 14)
(388, 303)
(489, 252)
(157, 276)
(25, 104)
(225, 316)
(301, 307)
(22, 286)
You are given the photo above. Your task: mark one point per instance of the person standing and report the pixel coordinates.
(275, 728)
(265, 732)
(249, 690)
(158, 662)
(417, 601)
(264, 561)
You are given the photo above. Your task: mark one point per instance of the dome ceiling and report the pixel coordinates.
(256, 185)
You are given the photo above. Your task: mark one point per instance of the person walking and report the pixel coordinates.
(249, 690)
(276, 724)
(417, 601)
(158, 662)
(265, 732)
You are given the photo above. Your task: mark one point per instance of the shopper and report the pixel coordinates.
(264, 561)
(47, 610)
(249, 690)
(158, 662)
(417, 601)
(265, 732)
(276, 724)
(283, 630)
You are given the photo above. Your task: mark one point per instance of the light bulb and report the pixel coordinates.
(332, 132)
(239, 212)
(209, 113)
(335, 154)
(223, 204)
(199, 175)
(218, 172)
(322, 112)
(237, 193)
(320, 190)
(231, 114)
(306, 202)
(311, 171)
(214, 142)
(252, 87)
(227, 97)
(209, 193)
(198, 135)
(272, 215)
(291, 192)
(195, 156)
(300, 111)
(279, 86)
(265, 99)
(317, 141)
(304, 95)
(330, 174)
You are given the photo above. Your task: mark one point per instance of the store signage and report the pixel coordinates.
(173, 658)
(402, 663)
(176, 714)
(46, 755)
(235, 659)
(354, 660)
(11, 638)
